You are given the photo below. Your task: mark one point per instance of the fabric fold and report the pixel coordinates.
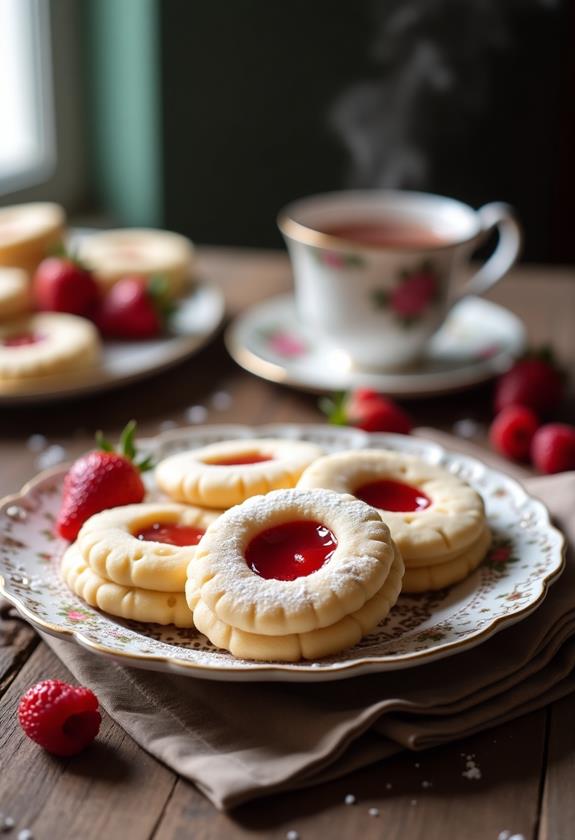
(240, 741)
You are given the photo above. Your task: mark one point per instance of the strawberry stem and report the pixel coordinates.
(127, 447)
(334, 408)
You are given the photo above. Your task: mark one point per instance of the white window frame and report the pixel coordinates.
(26, 61)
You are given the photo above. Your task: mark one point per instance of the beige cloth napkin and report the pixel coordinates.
(237, 742)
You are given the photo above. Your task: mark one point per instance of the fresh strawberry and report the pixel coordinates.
(553, 448)
(368, 410)
(135, 307)
(62, 718)
(512, 431)
(534, 381)
(99, 480)
(61, 284)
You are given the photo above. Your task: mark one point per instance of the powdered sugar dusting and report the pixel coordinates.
(223, 546)
(472, 770)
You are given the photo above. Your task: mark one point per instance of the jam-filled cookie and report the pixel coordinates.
(227, 473)
(432, 514)
(15, 297)
(293, 574)
(113, 254)
(123, 601)
(44, 344)
(149, 546)
(28, 232)
(454, 570)
(314, 644)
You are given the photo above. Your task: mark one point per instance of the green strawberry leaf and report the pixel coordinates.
(334, 408)
(127, 447)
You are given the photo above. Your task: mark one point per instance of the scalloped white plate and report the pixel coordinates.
(527, 555)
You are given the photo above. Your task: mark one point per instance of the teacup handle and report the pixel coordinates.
(500, 215)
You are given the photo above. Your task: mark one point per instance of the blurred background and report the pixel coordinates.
(207, 117)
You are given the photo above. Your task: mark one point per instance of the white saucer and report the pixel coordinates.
(479, 340)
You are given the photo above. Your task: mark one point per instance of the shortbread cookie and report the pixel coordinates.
(15, 297)
(46, 343)
(149, 546)
(113, 254)
(225, 474)
(432, 514)
(123, 601)
(334, 554)
(314, 644)
(28, 233)
(440, 575)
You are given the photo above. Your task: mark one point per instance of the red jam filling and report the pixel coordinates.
(292, 550)
(240, 460)
(387, 494)
(171, 534)
(22, 339)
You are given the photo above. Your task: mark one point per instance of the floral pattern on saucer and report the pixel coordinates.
(527, 555)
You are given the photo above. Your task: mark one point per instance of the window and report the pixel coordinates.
(27, 147)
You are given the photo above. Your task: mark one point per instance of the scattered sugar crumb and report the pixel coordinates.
(50, 457)
(196, 414)
(426, 785)
(388, 786)
(472, 770)
(166, 425)
(221, 400)
(36, 443)
(8, 823)
(417, 765)
(414, 801)
(517, 837)
(504, 835)
(466, 428)
(373, 812)
(350, 799)
(25, 834)
(19, 514)
(292, 835)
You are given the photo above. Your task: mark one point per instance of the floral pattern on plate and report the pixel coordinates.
(527, 555)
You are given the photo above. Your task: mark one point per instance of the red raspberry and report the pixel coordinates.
(533, 382)
(553, 448)
(61, 718)
(512, 431)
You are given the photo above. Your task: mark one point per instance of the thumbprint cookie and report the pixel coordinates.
(293, 574)
(148, 546)
(227, 473)
(123, 601)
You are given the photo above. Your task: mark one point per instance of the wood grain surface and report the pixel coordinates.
(116, 790)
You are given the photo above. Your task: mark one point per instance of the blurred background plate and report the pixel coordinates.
(197, 318)
(479, 340)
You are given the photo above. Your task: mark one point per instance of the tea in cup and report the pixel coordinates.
(374, 270)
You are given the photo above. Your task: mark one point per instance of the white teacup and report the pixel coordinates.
(374, 270)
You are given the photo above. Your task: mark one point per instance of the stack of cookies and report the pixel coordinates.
(132, 561)
(33, 346)
(275, 551)
(437, 520)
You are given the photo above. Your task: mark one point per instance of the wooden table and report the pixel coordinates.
(116, 790)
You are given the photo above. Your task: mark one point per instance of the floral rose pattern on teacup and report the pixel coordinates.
(417, 291)
(283, 343)
(338, 259)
